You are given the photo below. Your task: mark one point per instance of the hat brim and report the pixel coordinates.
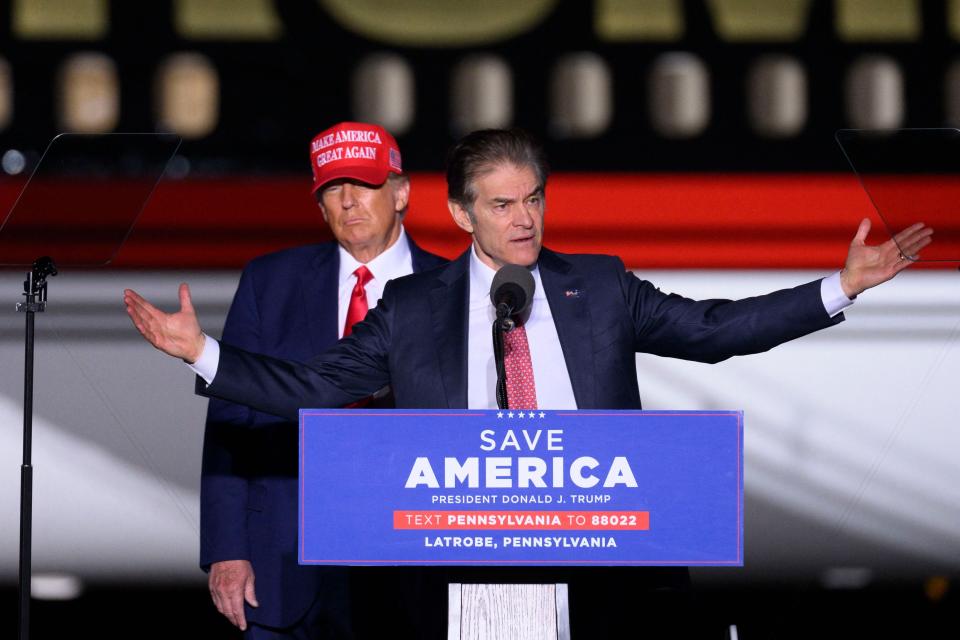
(370, 175)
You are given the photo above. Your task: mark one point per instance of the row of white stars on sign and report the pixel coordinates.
(521, 414)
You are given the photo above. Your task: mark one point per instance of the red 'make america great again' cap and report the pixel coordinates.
(364, 152)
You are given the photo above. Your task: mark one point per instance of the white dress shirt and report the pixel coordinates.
(395, 262)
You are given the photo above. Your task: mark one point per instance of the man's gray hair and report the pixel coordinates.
(480, 152)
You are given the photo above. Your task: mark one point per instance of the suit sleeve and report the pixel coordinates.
(223, 484)
(353, 369)
(714, 330)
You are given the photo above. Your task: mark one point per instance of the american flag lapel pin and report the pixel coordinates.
(572, 293)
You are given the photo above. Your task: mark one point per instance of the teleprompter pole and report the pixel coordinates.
(35, 291)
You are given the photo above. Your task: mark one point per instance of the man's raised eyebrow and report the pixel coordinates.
(538, 191)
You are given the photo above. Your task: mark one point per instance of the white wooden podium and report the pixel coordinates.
(508, 612)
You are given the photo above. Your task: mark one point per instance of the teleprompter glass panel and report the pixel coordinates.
(83, 198)
(911, 175)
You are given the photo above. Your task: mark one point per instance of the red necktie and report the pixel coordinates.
(521, 391)
(357, 309)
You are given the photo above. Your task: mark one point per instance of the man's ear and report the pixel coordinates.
(460, 216)
(401, 195)
(323, 210)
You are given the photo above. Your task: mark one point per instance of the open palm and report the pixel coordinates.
(867, 266)
(177, 334)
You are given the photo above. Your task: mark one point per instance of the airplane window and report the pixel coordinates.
(6, 94)
(777, 96)
(874, 93)
(878, 20)
(951, 95)
(383, 92)
(635, 20)
(679, 93)
(581, 96)
(739, 20)
(227, 19)
(187, 95)
(89, 94)
(60, 19)
(482, 94)
(438, 22)
(953, 18)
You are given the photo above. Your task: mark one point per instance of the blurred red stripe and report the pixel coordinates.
(670, 221)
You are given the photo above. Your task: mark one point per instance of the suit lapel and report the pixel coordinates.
(420, 259)
(319, 288)
(449, 308)
(568, 297)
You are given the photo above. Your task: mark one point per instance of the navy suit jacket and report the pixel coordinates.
(285, 306)
(416, 338)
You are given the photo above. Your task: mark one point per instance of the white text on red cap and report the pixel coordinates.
(365, 153)
(348, 135)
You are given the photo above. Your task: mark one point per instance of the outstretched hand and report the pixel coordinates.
(867, 266)
(176, 334)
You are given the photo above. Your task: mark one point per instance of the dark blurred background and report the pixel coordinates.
(695, 139)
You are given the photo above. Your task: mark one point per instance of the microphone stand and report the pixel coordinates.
(502, 324)
(35, 291)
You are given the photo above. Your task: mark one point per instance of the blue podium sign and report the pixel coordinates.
(395, 487)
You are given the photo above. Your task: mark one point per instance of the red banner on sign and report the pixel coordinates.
(523, 520)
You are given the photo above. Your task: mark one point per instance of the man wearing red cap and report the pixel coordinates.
(295, 304)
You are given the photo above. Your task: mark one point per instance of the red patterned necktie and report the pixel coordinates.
(357, 309)
(521, 390)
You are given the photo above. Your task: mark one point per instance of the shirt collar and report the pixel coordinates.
(481, 277)
(386, 265)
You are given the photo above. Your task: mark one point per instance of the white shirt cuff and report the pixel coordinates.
(206, 365)
(831, 292)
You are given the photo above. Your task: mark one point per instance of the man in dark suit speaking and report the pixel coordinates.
(429, 338)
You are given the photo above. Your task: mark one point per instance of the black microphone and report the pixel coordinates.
(511, 292)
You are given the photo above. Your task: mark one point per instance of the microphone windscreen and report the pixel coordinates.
(513, 285)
